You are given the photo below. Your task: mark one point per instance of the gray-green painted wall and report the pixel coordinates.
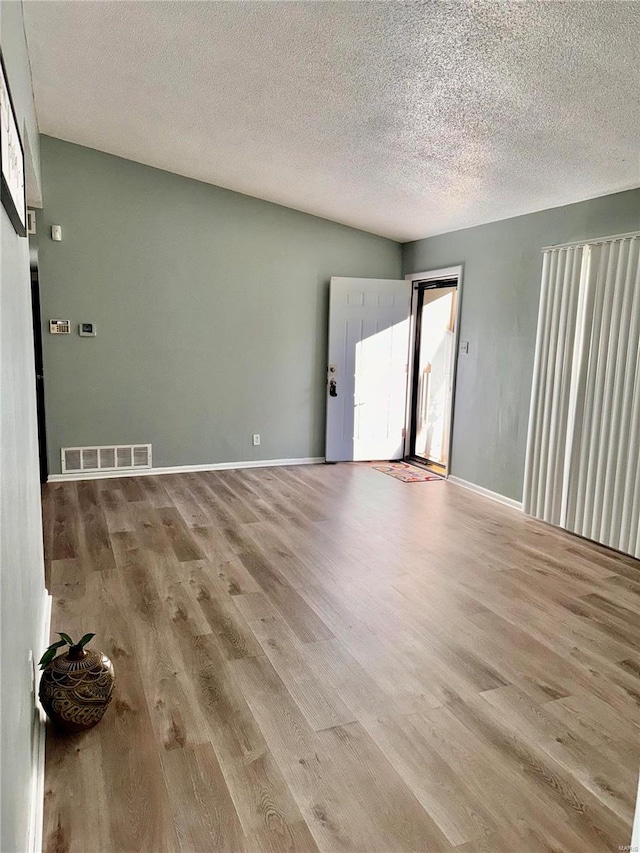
(501, 288)
(211, 311)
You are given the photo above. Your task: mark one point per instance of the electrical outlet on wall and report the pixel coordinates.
(256, 439)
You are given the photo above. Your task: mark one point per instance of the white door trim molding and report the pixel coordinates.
(432, 275)
(183, 469)
(36, 818)
(487, 493)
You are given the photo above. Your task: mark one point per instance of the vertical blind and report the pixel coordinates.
(582, 469)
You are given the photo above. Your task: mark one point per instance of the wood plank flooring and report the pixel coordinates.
(323, 658)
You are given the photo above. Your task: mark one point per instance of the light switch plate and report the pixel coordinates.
(87, 330)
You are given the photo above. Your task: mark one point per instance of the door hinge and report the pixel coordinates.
(404, 432)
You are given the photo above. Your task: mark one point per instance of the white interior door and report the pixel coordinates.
(367, 375)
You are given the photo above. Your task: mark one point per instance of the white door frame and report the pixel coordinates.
(432, 275)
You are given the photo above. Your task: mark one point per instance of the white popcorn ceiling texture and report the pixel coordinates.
(406, 119)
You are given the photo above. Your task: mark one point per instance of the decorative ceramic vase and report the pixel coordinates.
(76, 688)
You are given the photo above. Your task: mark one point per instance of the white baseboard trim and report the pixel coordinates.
(182, 469)
(487, 493)
(39, 740)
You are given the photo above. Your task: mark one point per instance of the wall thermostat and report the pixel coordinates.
(59, 327)
(87, 330)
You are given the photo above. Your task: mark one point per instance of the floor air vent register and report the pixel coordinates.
(118, 457)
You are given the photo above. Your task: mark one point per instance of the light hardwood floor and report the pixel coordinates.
(324, 658)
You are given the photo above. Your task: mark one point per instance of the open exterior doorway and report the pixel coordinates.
(436, 298)
(391, 372)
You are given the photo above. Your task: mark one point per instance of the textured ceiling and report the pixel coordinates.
(404, 119)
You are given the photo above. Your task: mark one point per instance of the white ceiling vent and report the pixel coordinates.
(119, 457)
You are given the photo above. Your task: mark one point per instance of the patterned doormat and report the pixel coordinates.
(406, 473)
